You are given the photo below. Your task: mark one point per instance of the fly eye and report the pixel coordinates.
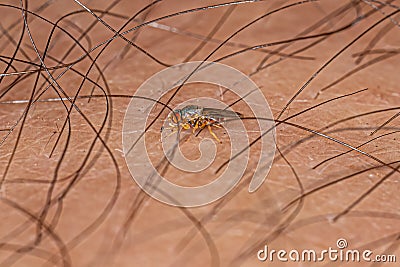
(175, 117)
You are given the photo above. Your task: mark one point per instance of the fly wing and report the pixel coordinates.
(220, 113)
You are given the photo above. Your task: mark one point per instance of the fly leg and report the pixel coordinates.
(208, 124)
(173, 130)
(212, 133)
(196, 125)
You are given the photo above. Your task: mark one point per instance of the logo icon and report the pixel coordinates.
(136, 148)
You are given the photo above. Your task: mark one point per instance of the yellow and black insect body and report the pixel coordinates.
(197, 117)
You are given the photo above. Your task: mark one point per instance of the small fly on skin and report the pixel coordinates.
(197, 118)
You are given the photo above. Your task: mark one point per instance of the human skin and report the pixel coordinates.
(79, 205)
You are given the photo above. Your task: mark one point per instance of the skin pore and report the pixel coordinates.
(327, 68)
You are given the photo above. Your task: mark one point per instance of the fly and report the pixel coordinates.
(197, 118)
